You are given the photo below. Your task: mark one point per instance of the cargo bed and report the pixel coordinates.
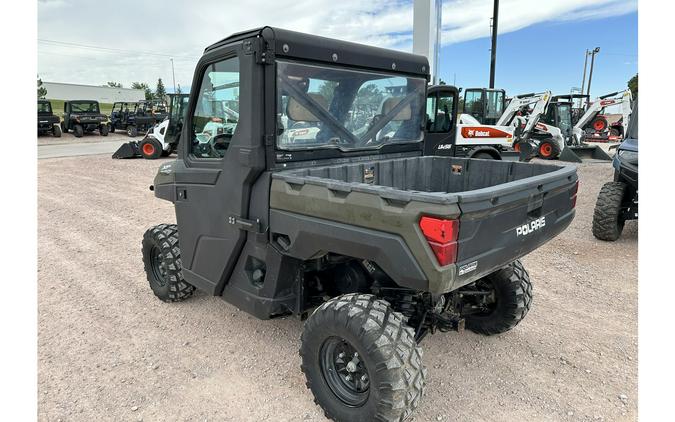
(505, 209)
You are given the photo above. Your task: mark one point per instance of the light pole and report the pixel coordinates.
(595, 51)
(583, 80)
(493, 50)
(173, 74)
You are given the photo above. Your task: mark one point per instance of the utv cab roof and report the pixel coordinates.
(282, 43)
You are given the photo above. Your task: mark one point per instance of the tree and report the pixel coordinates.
(369, 98)
(633, 85)
(144, 87)
(160, 92)
(41, 90)
(115, 85)
(326, 90)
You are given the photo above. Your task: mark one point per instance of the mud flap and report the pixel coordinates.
(128, 150)
(585, 152)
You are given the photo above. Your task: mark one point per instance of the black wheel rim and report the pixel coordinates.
(344, 371)
(158, 265)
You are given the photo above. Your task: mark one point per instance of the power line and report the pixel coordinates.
(110, 49)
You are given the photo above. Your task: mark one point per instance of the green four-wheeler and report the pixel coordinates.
(131, 117)
(82, 116)
(48, 123)
(349, 226)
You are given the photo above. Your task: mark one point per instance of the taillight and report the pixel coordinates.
(442, 238)
(574, 195)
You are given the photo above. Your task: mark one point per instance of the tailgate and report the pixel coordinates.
(502, 223)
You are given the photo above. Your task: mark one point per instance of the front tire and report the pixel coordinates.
(150, 149)
(132, 131)
(163, 266)
(78, 130)
(361, 360)
(607, 219)
(548, 150)
(103, 130)
(56, 131)
(511, 291)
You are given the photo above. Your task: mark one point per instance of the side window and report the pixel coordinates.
(431, 113)
(217, 111)
(441, 113)
(495, 104)
(473, 104)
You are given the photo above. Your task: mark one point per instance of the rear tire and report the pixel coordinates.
(607, 220)
(103, 130)
(361, 360)
(132, 131)
(548, 150)
(483, 156)
(512, 300)
(56, 131)
(112, 128)
(161, 258)
(64, 129)
(78, 130)
(150, 149)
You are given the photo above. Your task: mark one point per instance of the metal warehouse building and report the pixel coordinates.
(102, 94)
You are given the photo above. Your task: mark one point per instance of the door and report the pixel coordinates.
(177, 108)
(441, 120)
(214, 186)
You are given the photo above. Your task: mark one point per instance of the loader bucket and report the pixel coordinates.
(568, 155)
(128, 150)
(592, 152)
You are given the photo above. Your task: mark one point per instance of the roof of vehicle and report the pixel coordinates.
(81, 101)
(291, 44)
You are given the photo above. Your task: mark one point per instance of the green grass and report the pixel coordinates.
(57, 107)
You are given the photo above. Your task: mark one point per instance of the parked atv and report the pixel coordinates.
(82, 116)
(134, 118)
(48, 123)
(353, 229)
(618, 200)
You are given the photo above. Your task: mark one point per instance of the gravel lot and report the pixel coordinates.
(109, 350)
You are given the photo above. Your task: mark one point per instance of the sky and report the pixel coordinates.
(541, 43)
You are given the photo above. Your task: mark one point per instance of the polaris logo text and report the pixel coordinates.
(526, 229)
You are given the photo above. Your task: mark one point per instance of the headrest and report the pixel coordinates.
(390, 103)
(298, 113)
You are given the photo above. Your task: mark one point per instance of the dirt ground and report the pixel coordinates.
(109, 350)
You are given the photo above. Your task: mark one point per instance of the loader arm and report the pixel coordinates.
(540, 101)
(623, 98)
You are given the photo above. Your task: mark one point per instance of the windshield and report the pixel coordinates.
(565, 118)
(84, 107)
(44, 107)
(326, 107)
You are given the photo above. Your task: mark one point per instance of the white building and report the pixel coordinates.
(102, 94)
